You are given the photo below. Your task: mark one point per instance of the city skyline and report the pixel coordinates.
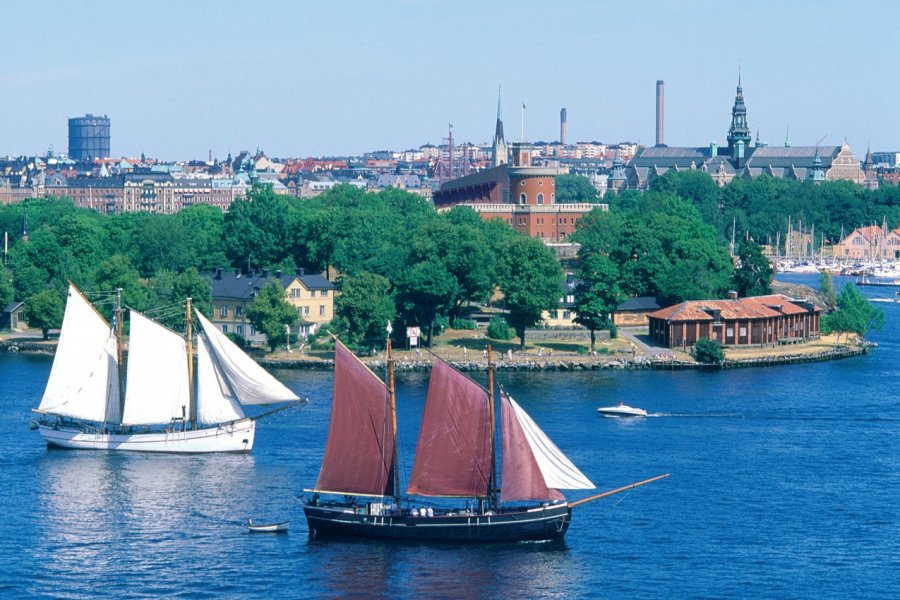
(314, 80)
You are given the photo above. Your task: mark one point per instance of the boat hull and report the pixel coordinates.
(269, 527)
(542, 523)
(618, 412)
(232, 437)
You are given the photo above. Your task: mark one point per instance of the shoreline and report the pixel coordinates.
(562, 364)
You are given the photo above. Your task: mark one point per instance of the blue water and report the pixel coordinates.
(784, 484)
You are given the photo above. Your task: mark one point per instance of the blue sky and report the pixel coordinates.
(322, 78)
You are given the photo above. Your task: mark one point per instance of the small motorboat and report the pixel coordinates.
(621, 410)
(267, 527)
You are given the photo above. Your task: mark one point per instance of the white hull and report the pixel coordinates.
(269, 527)
(622, 411)
(230, 437)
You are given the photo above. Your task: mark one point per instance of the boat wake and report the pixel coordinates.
(771, 417)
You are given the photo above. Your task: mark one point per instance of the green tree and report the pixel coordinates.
(575, 188)
(854, 314)
(364, 306)
(826, 286)
(424, 291)
(7, 292)
(116, 272)
(597, 293)
(44, 310)
(270, 313)
(202, 226)
(259, 229)
(708, 351)
(753, 277)
(498, 329)
(531, 281)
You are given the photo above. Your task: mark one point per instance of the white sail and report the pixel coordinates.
(158, 388)
(558, 471)
(215, 403)
(84, 379)
(247, 380)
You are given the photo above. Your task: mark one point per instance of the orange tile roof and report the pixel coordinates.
(758, 307)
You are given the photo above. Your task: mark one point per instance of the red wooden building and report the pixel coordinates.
(757, 321)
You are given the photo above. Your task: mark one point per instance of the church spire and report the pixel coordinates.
(500, 149)
(739, 136)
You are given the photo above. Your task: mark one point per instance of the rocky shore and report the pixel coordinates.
(585, 364)
(530, 363)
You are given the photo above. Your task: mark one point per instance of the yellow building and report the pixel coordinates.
(234, 291)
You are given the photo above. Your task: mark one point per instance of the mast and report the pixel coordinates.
(493, 428)
(119, 350)
(393, 400)
(190, 359)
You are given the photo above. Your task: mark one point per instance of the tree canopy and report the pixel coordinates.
(575, 188)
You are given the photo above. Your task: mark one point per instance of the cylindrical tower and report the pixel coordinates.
(660, 111)
(88, 137)
(562, 127)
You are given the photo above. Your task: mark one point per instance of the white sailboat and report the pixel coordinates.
(82, 405)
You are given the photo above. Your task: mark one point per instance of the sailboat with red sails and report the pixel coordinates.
(456, 457)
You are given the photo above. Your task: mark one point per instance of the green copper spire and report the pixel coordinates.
(739, 130)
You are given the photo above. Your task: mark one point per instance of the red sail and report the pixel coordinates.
(522, 478)
(453, 455)
(360, 450)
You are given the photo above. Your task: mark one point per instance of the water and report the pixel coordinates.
(784, 484)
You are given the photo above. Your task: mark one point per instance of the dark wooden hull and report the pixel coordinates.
(540, 523)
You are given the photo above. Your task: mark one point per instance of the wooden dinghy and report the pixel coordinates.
(281, 527)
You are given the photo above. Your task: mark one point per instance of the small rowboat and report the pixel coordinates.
(621, 410)
(268, 527)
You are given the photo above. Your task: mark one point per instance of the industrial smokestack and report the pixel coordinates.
(660, 111)
(562, 127)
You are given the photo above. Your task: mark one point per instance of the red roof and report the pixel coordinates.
(758, 307)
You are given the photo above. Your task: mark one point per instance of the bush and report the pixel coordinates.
(499, 329)
(459, 323)
(613, 331)
(708, 352)
(239, 340)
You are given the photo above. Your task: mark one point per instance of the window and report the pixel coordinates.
(522, 183)
(540, 198)
(321, 310)
(540, 182)
(729, 331)
(305, 311)
(223, 311)
(224, 328)
(239, 329)
(523, 198)
(295, 293)
(566, 314)
(324, 293)
(743, 331)
(312, 293)
(238, 311)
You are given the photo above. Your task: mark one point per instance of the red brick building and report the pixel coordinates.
(757, 321)
(520, 194)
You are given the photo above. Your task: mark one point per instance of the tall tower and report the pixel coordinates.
(499, 149)
(660, 111)
(739, 133)
(88, 137)
(562, 126)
